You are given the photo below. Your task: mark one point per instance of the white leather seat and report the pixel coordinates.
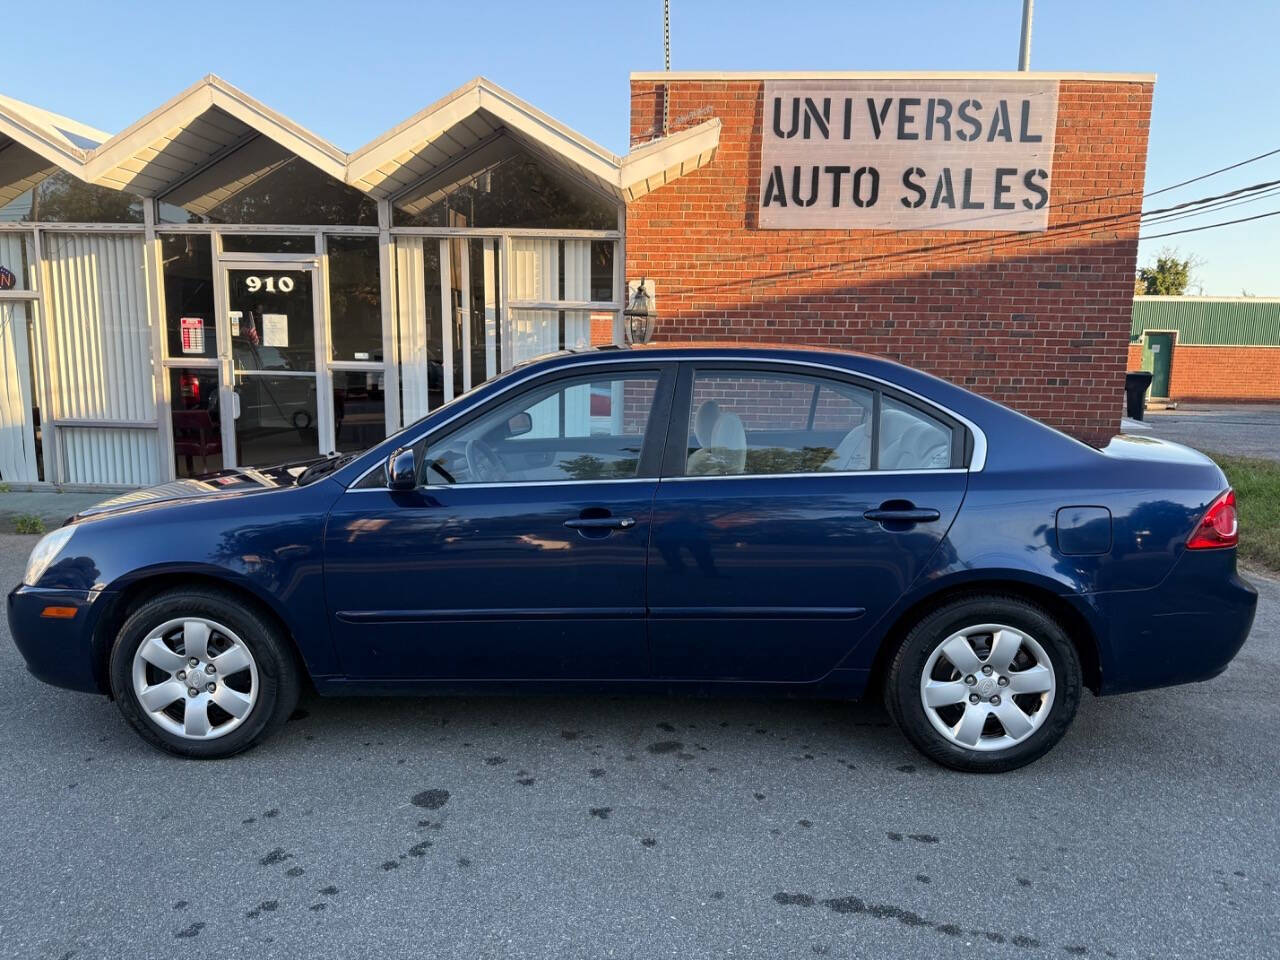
(911, 443)
(853, 452)
(726, 454)
(704, 422)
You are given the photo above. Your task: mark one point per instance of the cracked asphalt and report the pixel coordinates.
(642, 827)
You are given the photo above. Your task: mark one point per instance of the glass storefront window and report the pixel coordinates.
(355, 298)
(15, 258)
(267, 243)
(433, 294)
(457, 253)
(486, 332)
(518, 191)
(293, 192)
(277, 420)
(197, 433)
(64, 198)
(359, 409)
(271, 312)
(602, 270)
(187, 261)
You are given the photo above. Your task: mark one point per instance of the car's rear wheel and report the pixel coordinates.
(984, 684)
(200, 673)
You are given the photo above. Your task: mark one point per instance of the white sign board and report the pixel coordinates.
(907, 154)
(275, 329)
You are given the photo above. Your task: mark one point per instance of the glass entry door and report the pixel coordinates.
(271, 320)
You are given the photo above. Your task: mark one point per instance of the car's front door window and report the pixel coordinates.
(586, 428)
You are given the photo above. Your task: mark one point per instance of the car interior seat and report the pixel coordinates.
(853, 451)
(725, 454)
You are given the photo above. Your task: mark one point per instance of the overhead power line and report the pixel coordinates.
(1214, 207)
(1210, 226)
(1252, 188)
(1213, 173)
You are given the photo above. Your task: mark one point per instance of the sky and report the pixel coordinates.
(349, 71)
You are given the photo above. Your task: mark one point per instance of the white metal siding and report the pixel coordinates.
(101, 356)
(411, 313)
(17, 443)
(109, 455)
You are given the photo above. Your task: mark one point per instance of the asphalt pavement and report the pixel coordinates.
(1247, 430)
(642, 827)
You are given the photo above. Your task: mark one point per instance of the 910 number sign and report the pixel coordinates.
(254, 283)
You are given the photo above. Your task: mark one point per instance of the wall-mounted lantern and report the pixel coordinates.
(641, 311)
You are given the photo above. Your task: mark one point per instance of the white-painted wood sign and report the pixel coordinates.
(907, 154)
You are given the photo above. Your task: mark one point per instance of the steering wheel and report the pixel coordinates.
(483, 463)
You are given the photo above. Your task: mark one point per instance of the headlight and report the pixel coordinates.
(45, 552)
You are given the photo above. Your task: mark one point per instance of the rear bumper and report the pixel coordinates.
(59, 652)
(1186, 629)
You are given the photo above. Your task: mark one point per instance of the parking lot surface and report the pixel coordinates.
(1247, 430)
(642, 827)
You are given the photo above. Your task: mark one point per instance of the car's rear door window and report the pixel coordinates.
(910, 439)
(759, 423)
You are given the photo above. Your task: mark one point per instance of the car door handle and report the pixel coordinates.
(911, 515)
(601, 523)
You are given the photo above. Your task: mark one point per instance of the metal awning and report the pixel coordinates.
(35, 142)
(213, 140)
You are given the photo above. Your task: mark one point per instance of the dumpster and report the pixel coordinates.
(1136, 383)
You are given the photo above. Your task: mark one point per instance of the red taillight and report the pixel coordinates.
(1217, 528)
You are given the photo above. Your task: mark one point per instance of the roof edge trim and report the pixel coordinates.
(729, 75)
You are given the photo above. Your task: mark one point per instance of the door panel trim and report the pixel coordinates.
(757, 613)
(530, 613)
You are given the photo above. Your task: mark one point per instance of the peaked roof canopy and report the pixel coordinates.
(213, 139)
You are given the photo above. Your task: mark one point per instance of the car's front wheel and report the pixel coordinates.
(200, 673)
(984, 684)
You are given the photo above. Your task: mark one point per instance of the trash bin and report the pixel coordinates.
(1136, 383)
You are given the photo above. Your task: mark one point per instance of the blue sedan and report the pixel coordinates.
(738, 521)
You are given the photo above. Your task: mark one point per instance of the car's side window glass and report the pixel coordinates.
(910, 439)
(589, 428)
(764, 423)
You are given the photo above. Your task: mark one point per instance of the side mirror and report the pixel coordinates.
(402, 470)
(520, 424)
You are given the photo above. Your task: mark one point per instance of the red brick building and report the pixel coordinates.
(1036, 316)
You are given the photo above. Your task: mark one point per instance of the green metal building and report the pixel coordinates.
(1208, 348)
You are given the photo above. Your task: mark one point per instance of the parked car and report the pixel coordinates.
(736, 521)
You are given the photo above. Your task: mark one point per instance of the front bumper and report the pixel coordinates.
(57, 651)
(1188, 628)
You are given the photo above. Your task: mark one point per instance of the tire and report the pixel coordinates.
(263, 678)
(1044, 657)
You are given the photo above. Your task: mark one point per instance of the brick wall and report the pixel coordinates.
(1041, 323)
(1220, 373)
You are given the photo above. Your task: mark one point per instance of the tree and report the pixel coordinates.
(1169, 277)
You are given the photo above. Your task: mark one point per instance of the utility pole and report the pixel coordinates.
(666, 59)
(1024, 48)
